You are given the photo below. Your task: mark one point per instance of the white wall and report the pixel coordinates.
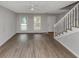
(51, 21)
(7, 24)
(71, 42)
(59, 16)
(47, 23)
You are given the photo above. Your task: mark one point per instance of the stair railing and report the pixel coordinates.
(70, 20)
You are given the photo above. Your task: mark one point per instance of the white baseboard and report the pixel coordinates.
(68, 48)
(32, 32)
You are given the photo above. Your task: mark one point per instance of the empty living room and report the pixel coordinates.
(39, 29)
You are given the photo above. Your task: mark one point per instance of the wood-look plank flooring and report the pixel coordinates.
(32, 46)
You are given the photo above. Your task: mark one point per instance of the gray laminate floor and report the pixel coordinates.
(32, 46)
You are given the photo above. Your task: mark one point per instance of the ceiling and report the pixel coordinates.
(39, 6)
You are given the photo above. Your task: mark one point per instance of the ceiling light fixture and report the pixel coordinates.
(32, 8)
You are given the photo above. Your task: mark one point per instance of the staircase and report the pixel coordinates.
(68, 24)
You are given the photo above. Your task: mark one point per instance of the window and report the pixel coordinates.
(37, 22)
(24, 23)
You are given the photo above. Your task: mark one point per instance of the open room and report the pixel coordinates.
(39, 29)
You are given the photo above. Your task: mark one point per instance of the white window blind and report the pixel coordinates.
(37, 22)
(23, 23)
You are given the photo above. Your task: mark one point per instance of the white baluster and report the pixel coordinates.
(77, 15)
(74, 17)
